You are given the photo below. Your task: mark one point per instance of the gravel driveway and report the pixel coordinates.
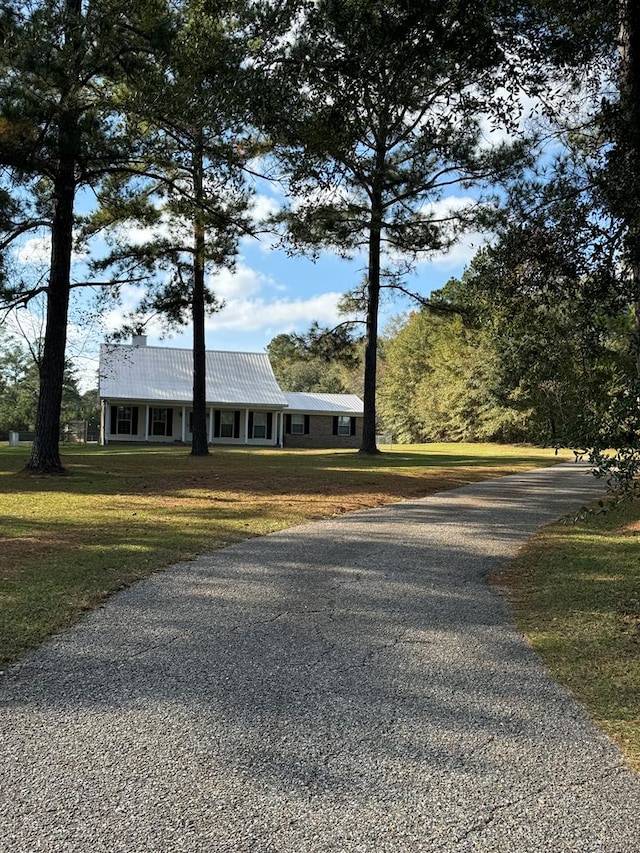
(349, 685)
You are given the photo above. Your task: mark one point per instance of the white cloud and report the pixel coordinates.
(130, 295)
(248, 308)
(35, 250)
(281, 315)
(238, 283)
(466, 245)
(263, 206)
(461, 253)
(448, 206)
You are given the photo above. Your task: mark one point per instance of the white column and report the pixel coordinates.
(146, 423)
(105, 418)
(211, 420)
(246, 426)
(184, 425)
(280, 429)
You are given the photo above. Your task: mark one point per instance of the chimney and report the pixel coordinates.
(139, 341)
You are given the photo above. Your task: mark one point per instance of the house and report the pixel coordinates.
(322, 420)
(146, 396)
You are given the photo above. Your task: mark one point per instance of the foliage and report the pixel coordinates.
(186, 117)
(322, 360)
(437, 383)
(189, 192)
(19, 389)
(570, 241)
(60, 133)
(503, 354)
(558, 354)
(385, 104)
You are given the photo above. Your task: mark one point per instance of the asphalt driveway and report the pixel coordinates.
(350, 685)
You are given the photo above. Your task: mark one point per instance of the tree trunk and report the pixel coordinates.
(45, 454)
(630, 102)
(369, 445)
(199, 439)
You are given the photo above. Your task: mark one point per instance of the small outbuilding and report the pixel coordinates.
(146, 396)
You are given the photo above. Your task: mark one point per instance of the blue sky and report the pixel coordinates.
(268, 293)
(271, 292)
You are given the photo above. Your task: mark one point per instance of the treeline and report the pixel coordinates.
(483, 360)
(20, 386)
(480, 363)
(391, 128)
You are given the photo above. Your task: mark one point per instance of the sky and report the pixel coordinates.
(270, 292)
(267, 293)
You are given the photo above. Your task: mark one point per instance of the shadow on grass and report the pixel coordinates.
(169, 471)
(314, 673)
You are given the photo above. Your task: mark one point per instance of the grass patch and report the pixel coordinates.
(124, 512)
(575, 590)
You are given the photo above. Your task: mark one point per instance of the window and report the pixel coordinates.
(344, 425)
(160, 421)
(259, 425)
(124, 420)
(226, 424)
(297, 424)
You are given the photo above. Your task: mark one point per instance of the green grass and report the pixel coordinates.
(575, 590)
(67, 542)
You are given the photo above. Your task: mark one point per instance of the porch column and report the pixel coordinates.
(105, 418)
(280, 429)
(211, 419)
(146, 423)
(246, 426)
(184, 425)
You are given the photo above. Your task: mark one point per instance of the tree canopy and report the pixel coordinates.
(384, 125)
(497, 358)
(190, 121)
(61, 133)
(397, 127)
(321, 360)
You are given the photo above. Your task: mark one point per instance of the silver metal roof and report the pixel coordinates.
(163, 373)
(337, 404)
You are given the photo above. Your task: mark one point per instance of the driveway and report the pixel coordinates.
(350, 685)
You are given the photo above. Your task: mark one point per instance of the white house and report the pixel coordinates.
(146, 394)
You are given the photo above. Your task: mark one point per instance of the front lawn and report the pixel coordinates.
(575, 590)
(126, 511)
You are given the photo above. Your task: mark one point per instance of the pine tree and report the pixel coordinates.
(386, 104)
(189, 117)
(60, 133)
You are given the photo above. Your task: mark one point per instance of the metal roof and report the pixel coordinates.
(163, 373)
(338, 404)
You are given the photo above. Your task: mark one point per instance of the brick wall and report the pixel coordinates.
(321, 435)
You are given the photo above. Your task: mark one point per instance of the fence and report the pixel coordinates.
(74, 432)
(384, 438)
